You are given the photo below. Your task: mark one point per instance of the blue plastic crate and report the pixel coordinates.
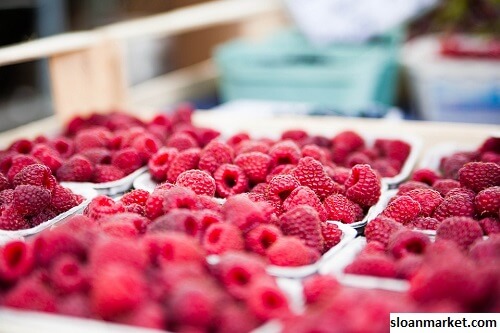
(346, 77)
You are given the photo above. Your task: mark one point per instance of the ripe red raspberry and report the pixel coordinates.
(311, 173)
(17, 163)
(462, 191)
(407, 242)
(319, 289)
(363, 186)
(259, 239)
(285, 152)
(381, 228)
(344, 143)
(455, 205)
(444, 186)
(282, 169)
(214, 155)
(146, 145)
(106, 173)
(102, 206)
(179, 197)
(109, 251)
(21, 146)
(280, 187)
(237, 139)
(297, 135)
(486, 251)
(62, 199)
(35, 174)
(385, 167)
(450, 165)
(135, 197)
(462, 230)
(338, 174)
(238, 270)
(411, 185)
(408, 266)
(177, 219)
(51, 244)
(393, 149)
(315, 152)
(92, 138)
(148, 315)
(332, 235)
(47, 156)
(10, 219)
(428, 199)
(128, 160)
(199, 181)
(374, 265)
(233, 317)
(75, 169)
(97, 155)
(181, 141)
(223, 237)
(154, 204)
(303, 195)
(251, 146)
(30, 199)
(402, 209)
(125, 225)
(185, 160)
(289, 251)
(230, 180)
(490, 144)
(116, 289)
(160, 162)
(16, 261)
(490, 225)
(267, 301)
(206, 217)
(45, 215)
(425, 223)
(4, 182)
(67, 275)
(341, 209)
(64, 146)
(304, 223)
(256, 165)
(244, 213)
(166, 248)
(31, 294)
(488, 201)
(426, 176)
(357, 157)
(478, 175)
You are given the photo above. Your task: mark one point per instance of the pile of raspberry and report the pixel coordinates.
(31, 195)
(103, 148)
(160, 280)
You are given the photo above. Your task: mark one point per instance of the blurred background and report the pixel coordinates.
(424, 60)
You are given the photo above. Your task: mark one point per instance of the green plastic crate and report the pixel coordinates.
(346, 77)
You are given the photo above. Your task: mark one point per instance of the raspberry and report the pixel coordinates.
(75, 305)
(124, 225)
(444, 186)
(154, 204)
(128, 160)
(344, 143)
(30, 199)
(18, 163)
(285, 152)
(35, 174)
(385, 168)
(375, 265)
(256, 165)
(304, 223)
(243, 213)
(267, 301)
(462, 191)
(373, 247)
(234, 318)
(31, 294)
(172, 247)
(4, 182)
(75, 169)
(238, 139)
(332, 235)
(207, 217)
(135, 208)
(289, 251)
(109, 251)
(319, 289)
(393, 149)
(282, 169)
(425, 223)
(426, 176)
(363, 186)
(428, 199)
(160, 162)
(462, 230)
(455, 205)
(251, 146)
(67, 275)
(92, 138)
(450, 165)
(146, 145)
(238, 270)
(381, 228)
(230, 180)
(488, 201)
(116, 289)
(16, 261)
(177, 219)
(411, 185)
(21, 146)
(280, 187)
(64, 146)
(490, 225)
(102, 206)
(223, 237)
(357, 157)
(303, 195)
(478, 175)
(486, 251)
(199, 181)
(311, 173)
(214, 155)
(402, 209)
(185, 160)
(51, 244)
(135, 197)
(106, 173)
(47, 156)
(408, 266)
(407, 242)
(97, 155)
(259, 239)
(490, 157)
(296, 135)
(205, 135)
(179, 197)
(315, 152)
(181, 141)
(148, 315)
(341, 209)
(45, 215)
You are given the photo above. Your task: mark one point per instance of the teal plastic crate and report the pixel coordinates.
(346, 77)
